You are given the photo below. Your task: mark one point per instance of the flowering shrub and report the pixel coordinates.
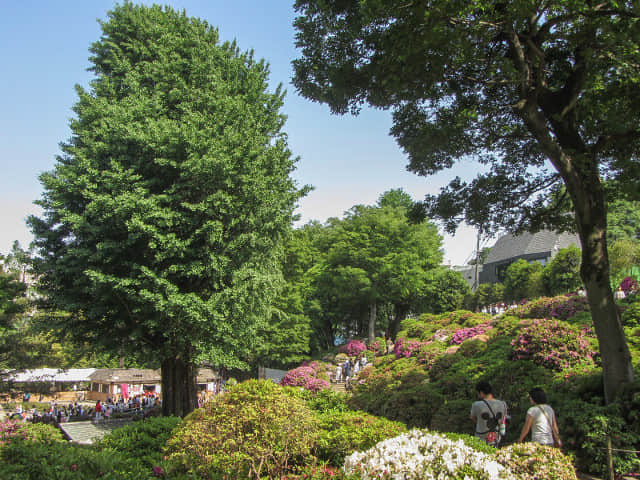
(10, 430)
(353, 348)
(305, 377)
(562, 307)
(628, 284)
(407, 348)
(531, 461)
(34, 432)
(572, 306)
(465, 333)
(553, 344)
(420, 454)
(378, 347)
(430, 352)
(254, 430)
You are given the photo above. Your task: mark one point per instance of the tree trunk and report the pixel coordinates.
(579, 169)
(394, 326)
(587, 194)
(179, 389)
(373, 314)
(617, 368)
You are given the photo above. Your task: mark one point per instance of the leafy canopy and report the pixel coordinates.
(164, 216)
(492, 81)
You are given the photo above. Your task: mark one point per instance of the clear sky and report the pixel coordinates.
(44, 53)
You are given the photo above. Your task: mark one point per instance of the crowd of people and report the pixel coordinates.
(120, 404)
(55, 413)
(75, 411)
(345, 371)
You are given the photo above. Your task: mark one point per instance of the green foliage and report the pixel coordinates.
(522, 280)
(631, 316)
(25, 460)
(536, 462)
(141, 440)
(588, 427)
(398, 391)
(373, 257)
(472, 441)
(13, 348)
(464, 84)
(326, 400)
(486, 294)
(562, 273)
(256, 428)
(343, 432)
(376, 256)
(623, 221)
(445, 292)
(625, 260)
(452, 416)
(472, 347)
(164, 217)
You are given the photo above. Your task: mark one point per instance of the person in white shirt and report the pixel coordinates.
(541, 420)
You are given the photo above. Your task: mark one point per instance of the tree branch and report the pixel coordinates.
(605, 140)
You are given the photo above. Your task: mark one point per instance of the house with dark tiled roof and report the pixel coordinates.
(133, 381)
(532, 247)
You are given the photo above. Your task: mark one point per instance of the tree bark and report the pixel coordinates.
(579, 169)
(591, 217)
(373, 314)
(394, 326)
(179, 388)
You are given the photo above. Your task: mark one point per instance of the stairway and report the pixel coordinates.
(338, 387)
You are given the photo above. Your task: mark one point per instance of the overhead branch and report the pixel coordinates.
(605, 140)
(519, 58)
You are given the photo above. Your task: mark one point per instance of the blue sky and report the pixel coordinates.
(44, 53)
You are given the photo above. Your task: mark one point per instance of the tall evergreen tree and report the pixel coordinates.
(164, 216)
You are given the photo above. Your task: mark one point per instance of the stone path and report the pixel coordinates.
(85, 433)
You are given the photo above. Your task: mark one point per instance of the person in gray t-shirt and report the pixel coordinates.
(489, 415)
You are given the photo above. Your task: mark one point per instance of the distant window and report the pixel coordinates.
(501, 271)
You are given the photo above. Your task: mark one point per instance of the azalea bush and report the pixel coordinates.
(572, 306)
(353, 348)
(30, 432)
(561, 307)
(378, 346)
(532, 461)
(631, 316)
(256, 429)
(142, 440)
(305, 377)
(407, 348)
(29, 460)
(554, 344)
(341, 433)
(398, 390)
(421, 454)
(586, 429)
(466, 333)
(629, 284)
